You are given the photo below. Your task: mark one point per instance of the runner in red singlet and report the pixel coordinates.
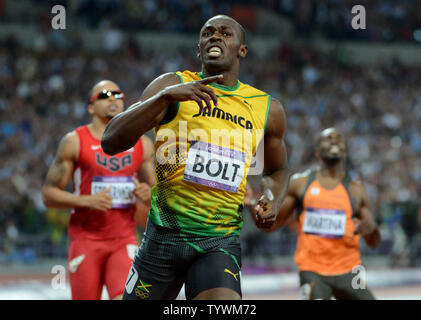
(107, 200)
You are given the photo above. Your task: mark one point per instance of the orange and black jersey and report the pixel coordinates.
(326, 241)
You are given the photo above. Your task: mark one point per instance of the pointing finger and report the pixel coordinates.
(211, 79)
(211, 93)
(198, 101)
(205, 98)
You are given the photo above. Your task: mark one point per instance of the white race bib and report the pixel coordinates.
(121, 190)
(214, 166)
(327, 223)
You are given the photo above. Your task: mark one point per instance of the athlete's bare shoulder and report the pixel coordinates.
(276, 121)
(147, 145)
(69, 145)
(276, 105)
(66, 157)
(160, 83)
(146, 141)
(298, 182)
(170, 77)
(357, 189)
(301, 175)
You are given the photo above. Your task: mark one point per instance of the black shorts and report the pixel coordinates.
(167, 259)
(314, 286)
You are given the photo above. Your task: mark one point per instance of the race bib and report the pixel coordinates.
(121, 190)
(214, 166)
(327, 223)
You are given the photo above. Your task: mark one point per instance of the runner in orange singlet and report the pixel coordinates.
(332, 214)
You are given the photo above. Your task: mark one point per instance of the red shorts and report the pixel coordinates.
(93, 264)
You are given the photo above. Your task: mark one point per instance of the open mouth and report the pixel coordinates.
(113, 108)
(214, 51)
(334, 149)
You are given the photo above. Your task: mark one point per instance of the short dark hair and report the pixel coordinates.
(240, 27)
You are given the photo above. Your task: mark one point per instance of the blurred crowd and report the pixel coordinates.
(386, 20)
(44, 94)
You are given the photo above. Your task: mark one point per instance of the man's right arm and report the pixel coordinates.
(59, 175)
(125, 129)
(288, 204)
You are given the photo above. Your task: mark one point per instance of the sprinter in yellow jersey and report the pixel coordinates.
(208, 128)
(333, 211)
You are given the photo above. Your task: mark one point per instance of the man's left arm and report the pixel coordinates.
(364, 222)
(276, 172)
(146, 174)
(147, 170)
(144, 182)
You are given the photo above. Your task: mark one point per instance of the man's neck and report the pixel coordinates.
(97, 127)
(230, 78)
(333, 171)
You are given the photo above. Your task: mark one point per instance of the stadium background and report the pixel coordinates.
(364, 82)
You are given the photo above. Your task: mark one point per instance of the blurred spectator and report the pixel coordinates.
(419, 217)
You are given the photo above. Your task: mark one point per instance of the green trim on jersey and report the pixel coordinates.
(220, 86)
(267, 112)
(237, 95)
